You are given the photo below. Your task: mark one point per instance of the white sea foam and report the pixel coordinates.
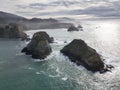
(30, 68)
(19, 54)
(64, 78)
(54, 75)
(38, 73)
(49, 57)
(58, 42)
(38, 60)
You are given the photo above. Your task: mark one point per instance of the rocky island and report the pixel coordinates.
(12, 31)
(73, 28)
(39, 46)
(80, 53)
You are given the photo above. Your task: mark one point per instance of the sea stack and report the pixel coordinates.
(80, 53)
(12, 31)
(39, 46)
(80, 27)
(73, 28)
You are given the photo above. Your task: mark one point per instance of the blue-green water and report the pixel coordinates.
(56, 72)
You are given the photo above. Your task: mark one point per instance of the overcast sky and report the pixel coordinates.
(62, 8)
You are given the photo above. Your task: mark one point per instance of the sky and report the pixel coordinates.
(62, 8)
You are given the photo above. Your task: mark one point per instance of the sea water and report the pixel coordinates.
(20, 72)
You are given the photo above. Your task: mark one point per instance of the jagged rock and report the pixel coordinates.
(65, 41)
(73, 28)
(39, 46)
(79, 26)
(80, 53)
(12, 31)
(52, 39)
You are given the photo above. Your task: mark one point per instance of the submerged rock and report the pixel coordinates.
(12, 31)
(80, 53)
(39, 46)
(73, 28)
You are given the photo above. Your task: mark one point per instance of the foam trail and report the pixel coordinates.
(64, 78)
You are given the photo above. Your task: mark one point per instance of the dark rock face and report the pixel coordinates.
(11, 31)
(39, 46)
(81, 54)
(73, 28)
(42, 36)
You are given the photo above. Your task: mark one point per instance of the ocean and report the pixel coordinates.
(20, 72)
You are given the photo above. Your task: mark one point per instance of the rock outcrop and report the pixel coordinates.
(80, 53)
(12, 31)
(39, 46)
(73, 28)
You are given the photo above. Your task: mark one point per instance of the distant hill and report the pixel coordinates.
(7, 17)
(65, 19)
(34, 23)
(43, 20)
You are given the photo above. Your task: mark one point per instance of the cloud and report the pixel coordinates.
(56, 8)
